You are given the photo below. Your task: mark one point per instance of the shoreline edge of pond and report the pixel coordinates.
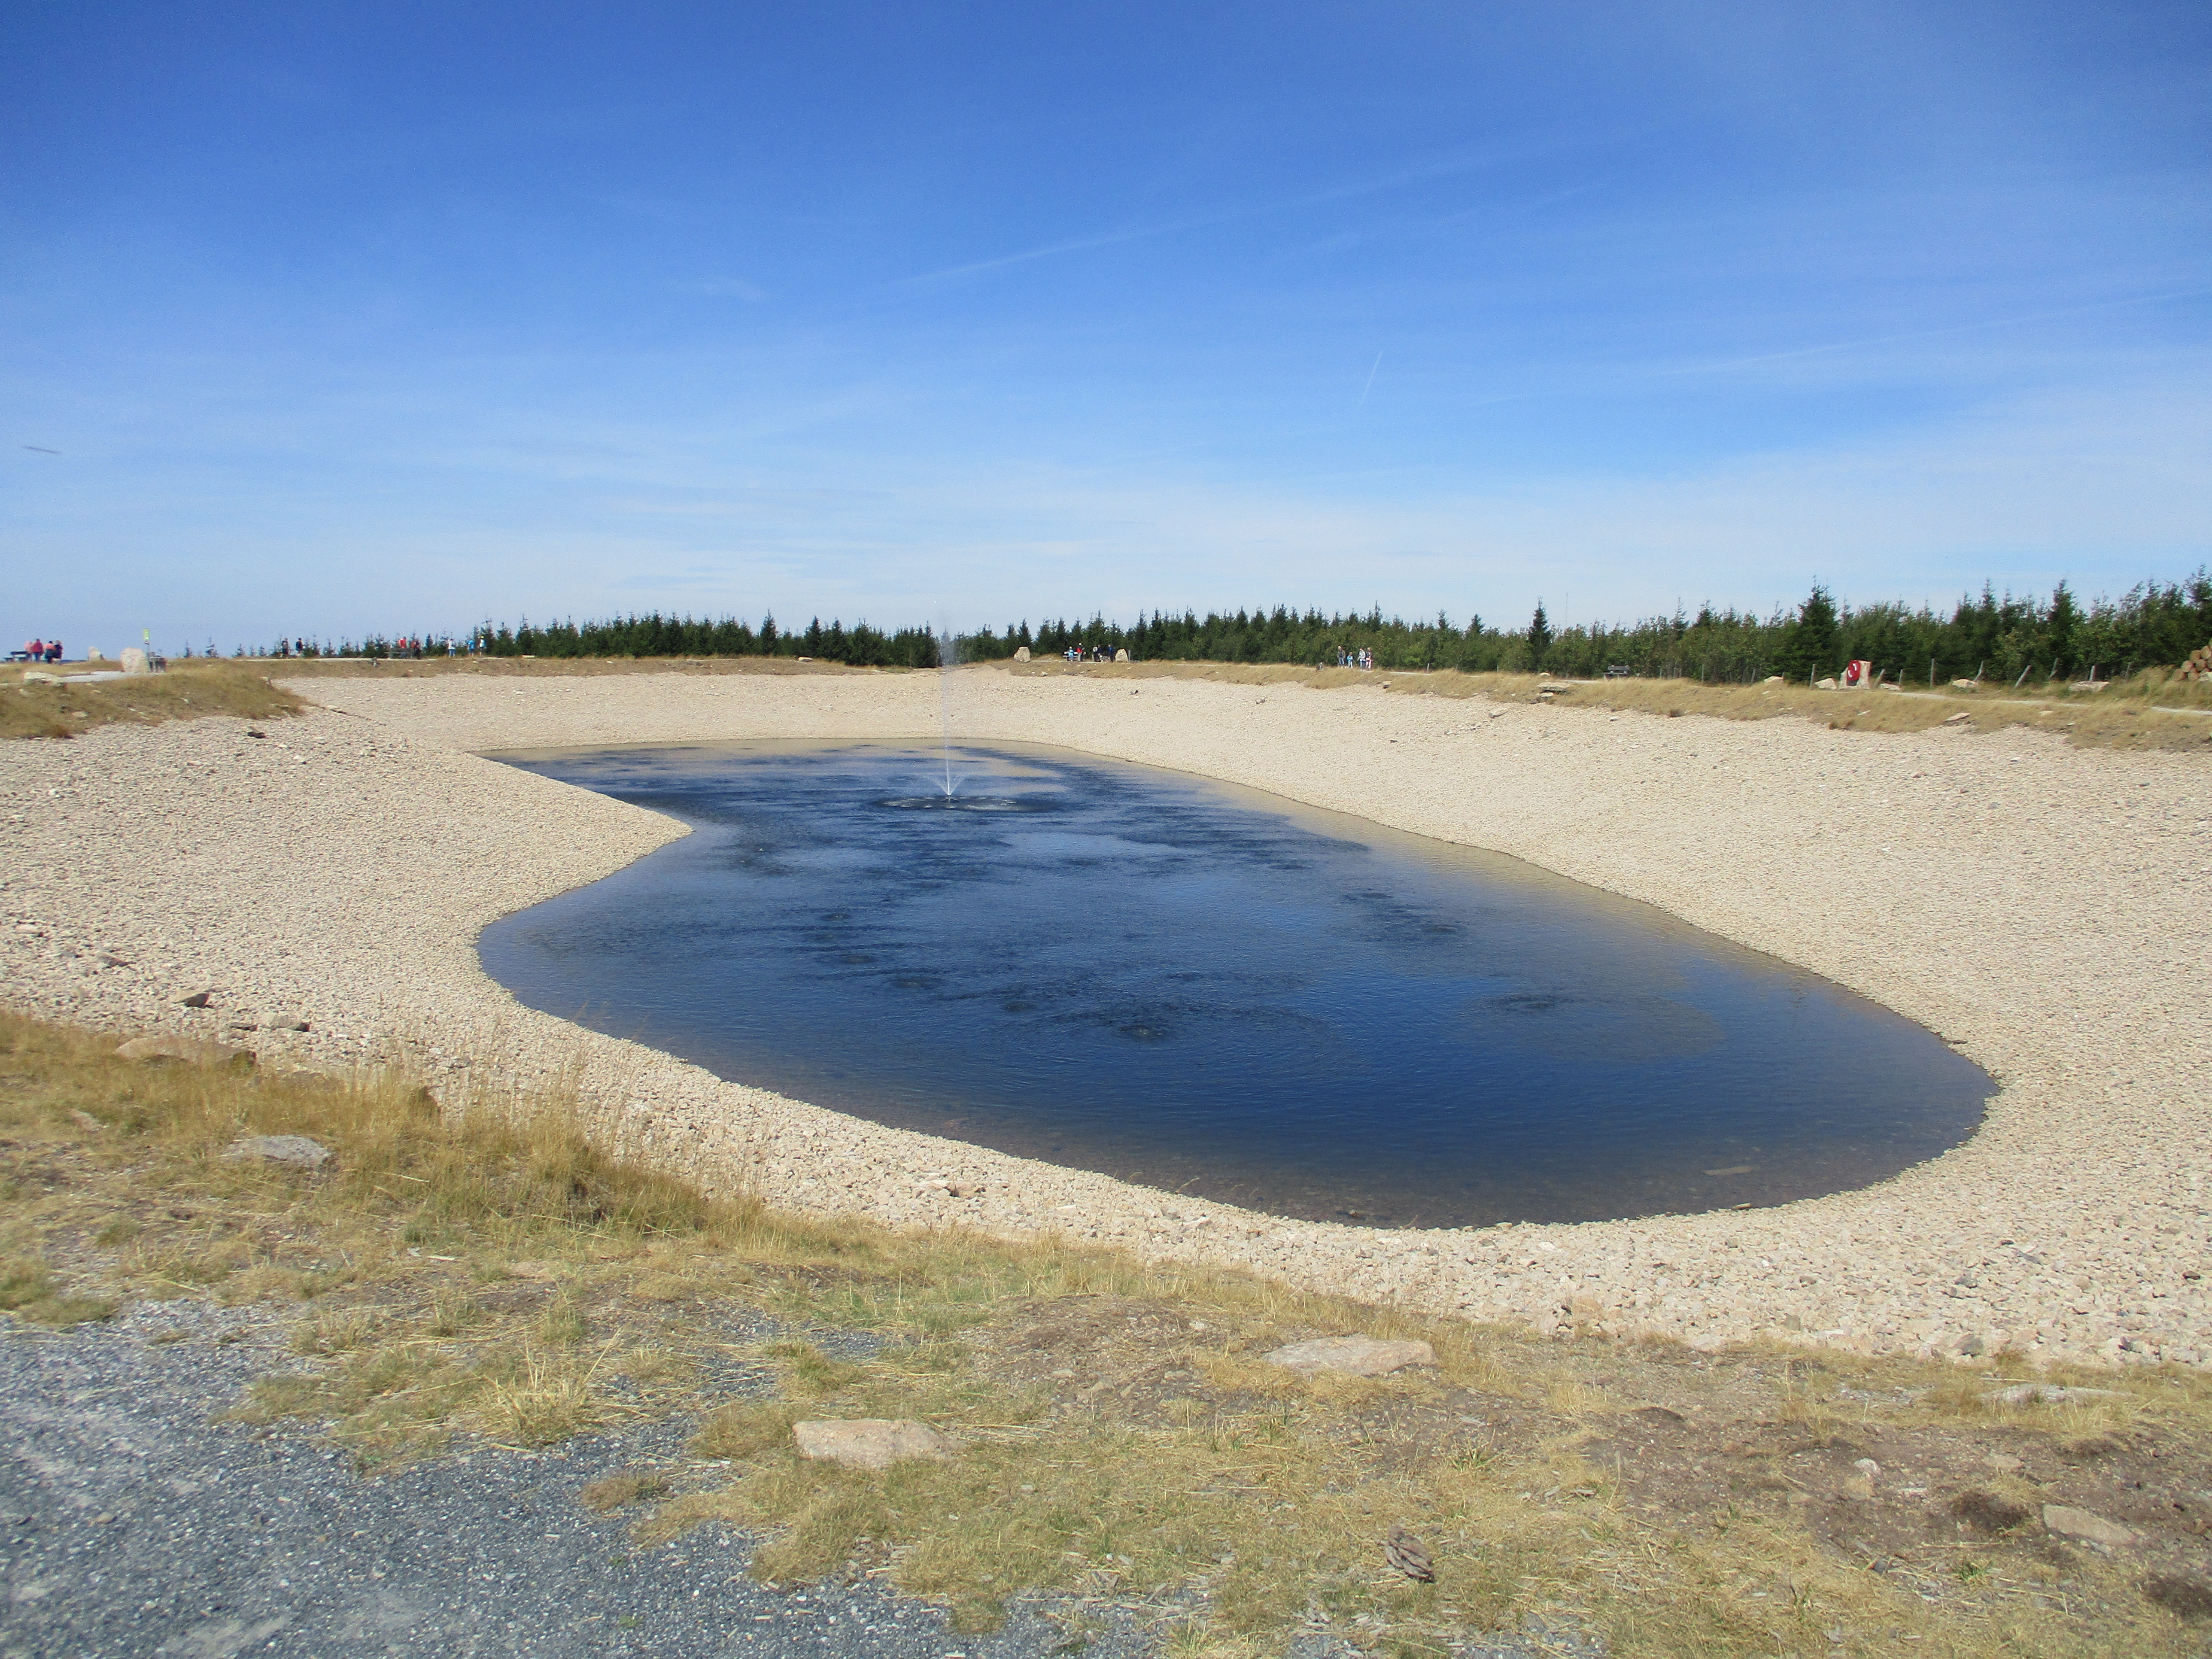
(2046, 909)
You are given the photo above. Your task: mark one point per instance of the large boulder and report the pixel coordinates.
(193, 1051)
(134, 661)
(868, 1443)
(2083, 1527)
(1021, 653)
(295, 1151)
(1352, 1356)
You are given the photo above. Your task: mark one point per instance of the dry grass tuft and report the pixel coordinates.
(187, 691)
(630, 1486)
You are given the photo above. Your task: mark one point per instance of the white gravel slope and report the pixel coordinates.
(2044, 908)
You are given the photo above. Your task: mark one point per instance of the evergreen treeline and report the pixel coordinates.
(656, 635)
(2152, 624)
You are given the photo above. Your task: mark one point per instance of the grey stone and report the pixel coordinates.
(1962, 718)
(296, 1151)
(134, 661)
(39, 677)
(868, 1443)
(1353, 1356)
(2064, 1521)
(197, 1000)
(1021, 653)
(2044, 1393)
(197, 1051)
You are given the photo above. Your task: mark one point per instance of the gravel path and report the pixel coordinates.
(2046, 909)
(135, 1525)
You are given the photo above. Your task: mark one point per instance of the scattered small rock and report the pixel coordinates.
(868, 1443)
(87, 1122)
(1962, 718)
(1353, 1356)
(197, 1051)
(297, 1150)
(2064, 1521)
(285, 1022)
(109, 959)
(534, 1269)
(197, 1000)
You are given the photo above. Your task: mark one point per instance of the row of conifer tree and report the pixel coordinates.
(2152, 624)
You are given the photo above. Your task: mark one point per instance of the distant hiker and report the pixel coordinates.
(53, 650)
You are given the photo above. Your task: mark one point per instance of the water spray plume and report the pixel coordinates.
(945, 653)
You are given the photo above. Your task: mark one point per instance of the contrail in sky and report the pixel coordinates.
(42, 449)
(1370, 386)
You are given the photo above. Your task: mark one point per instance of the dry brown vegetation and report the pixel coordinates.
(2128, 714)
(185, 692)
(475, 1272)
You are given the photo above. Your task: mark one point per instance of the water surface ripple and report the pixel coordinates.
(1209, 990)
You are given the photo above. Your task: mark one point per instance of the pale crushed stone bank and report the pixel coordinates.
(2044, 908)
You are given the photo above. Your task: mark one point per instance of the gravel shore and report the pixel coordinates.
(2046, 909)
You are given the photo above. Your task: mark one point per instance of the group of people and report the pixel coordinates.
(1362, 659)
(1095, 653)
(40, 651)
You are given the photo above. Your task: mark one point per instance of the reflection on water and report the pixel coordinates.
(1211, 990)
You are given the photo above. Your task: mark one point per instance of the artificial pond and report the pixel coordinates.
(1213, 991)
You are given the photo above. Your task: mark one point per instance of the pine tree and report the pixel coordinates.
(1540, 637)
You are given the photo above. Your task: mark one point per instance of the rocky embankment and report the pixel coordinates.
(2046, 909)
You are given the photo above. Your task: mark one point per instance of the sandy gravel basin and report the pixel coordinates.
(2046, 909)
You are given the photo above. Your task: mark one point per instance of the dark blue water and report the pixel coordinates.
(1217, 991)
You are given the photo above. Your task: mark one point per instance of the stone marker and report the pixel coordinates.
(297, 1150)
(2066, 1522)
(868, 1443)
(197, 1050)
(1353, 1356)
(134, 661)
(1021, 653)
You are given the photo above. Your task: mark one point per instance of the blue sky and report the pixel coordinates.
(389, 317)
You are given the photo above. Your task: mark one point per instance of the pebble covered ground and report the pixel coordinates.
(135, 1521)
(2044, 908)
